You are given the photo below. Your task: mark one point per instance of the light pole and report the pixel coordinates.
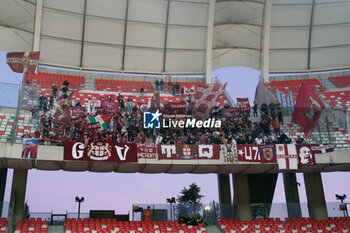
(343, 205)
(79, 200)
(171, 201)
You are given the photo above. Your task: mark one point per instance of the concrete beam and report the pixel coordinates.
(292, 195)
(3, 176)
(18, 193)
(241, 198)
(225, 195)
(315, 196)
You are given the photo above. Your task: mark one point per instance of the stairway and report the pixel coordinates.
(90, 84)
(327, 84)
(55, 229)
(213, 229)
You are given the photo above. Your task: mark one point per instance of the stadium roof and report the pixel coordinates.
(180, 36)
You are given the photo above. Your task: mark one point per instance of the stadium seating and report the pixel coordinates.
(108, 225)
(31, 226)
(337, 136)
(290, 225)
(123, 86)
(46, 80)
(6, 126)
(340, 81)
(293, 85)
(337, 99)
(3, 225)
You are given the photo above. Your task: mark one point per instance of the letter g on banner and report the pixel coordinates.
(78, 150)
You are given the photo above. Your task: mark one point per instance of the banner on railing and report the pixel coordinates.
(146, 151)
(187, 152)
(30, 148)
(229, 153)
(287, 156)
(306, 156)
(100, 152)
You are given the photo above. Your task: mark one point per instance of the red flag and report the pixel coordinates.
(243, 104)
(62, 114)
(155, 102)
(78, 112)
(109, 106)
(23, 61)
(307, 110)
(205, 99)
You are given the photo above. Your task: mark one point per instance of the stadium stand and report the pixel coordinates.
(3, 225)
(340, 81)
(46, 80)
(31, 226)
(6, 126)
(112, 225)
(123, 86)
(337, 99)
(290, 225)
(293, 85)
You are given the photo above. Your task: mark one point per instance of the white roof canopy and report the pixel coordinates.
(170, 36)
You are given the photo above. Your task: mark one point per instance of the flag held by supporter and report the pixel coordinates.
(243, 104)
(62, 113)
(21, 62)
(102, 120)
(307, 110)
(287, 158)
(205, 99)
(154, 102)
(189, 91)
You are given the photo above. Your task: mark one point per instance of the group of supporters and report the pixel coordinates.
(126, 125)
(193, 221)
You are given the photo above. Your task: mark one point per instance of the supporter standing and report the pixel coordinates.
(157, 85)
(161, 85)
(147, 214)
(141, 91)
(54, 90)
(255, 109)
(276, 126)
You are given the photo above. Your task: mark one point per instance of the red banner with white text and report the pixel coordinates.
(146, 151)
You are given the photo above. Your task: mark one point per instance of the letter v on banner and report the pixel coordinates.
(125, 152)
(121, 155)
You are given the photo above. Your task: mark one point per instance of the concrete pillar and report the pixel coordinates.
(209, 47)
(3, 176)
(262, 189)
(225, 196)
(18, 193)
(241, 198)
(292, 195)
(315, 196)
(265, 41)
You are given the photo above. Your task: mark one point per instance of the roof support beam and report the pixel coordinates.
(125, 30)
(265, 41)
(210, 33)
(310, 34)
(37, 25)
(83, 35)
(166, 34)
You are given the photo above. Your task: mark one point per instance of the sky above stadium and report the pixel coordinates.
(55, 190)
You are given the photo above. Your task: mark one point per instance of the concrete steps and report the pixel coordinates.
(213, 229)
(55, 229)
